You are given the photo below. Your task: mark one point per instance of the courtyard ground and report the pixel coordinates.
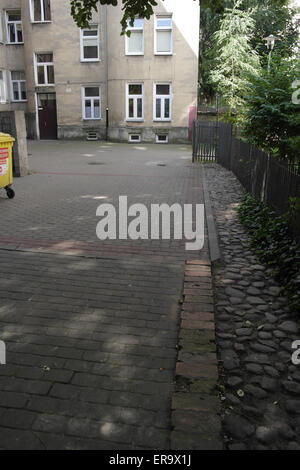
(111, 344)
(91, 327)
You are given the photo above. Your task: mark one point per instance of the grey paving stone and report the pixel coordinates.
(238, 427)
(91, 333)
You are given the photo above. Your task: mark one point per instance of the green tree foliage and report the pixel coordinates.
(272, 119)
(272, 239)
(275, 18)
(82, 10)
(270, 17)
(234, 57)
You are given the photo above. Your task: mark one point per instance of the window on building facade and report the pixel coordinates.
(163, 35)
(91, 105)
(18, 86)
(135, 102)
(134, 44)
(89, 44)
(14, 27)
(44, 69)
(1, 28)
(162, 102)
(3, 96)
(40, 10)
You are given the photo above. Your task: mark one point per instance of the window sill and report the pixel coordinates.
(15, 43)
(162, 120)
(44, 84)
(134, 53)
(90, 60)
(18, 101)
(91, 119)
(41, 22)
(163, 53)
(135, 120)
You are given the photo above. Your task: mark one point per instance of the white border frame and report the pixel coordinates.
(81, 38)
(162, 97)
(83, 98)
(134, 119)
(19, 87)
(160, 28)
(132, 28)
(32, 20)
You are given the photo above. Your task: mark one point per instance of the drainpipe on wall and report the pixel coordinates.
(106, 72)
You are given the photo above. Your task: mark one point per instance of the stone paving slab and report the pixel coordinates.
(91, 348)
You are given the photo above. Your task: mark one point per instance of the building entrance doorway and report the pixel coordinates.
(47, 115)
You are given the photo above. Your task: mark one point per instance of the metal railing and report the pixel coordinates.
(270, 180)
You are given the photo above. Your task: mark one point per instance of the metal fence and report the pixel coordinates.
(270, 180)
(273, 181)
(205, 141)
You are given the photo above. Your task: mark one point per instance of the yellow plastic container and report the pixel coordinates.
(6, 167)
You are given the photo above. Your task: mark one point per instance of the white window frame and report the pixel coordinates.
(91, 98)
(131, 140)
(134, 28)
(3, 99)
(1, 28)
(42, 20)
(162, 28)
(134, 97)
(82, 37)
(12, 81)
(40, 64)
(166, 141)
(15, 23)
(163, 97)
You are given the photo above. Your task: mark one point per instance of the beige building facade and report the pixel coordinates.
(94, 83)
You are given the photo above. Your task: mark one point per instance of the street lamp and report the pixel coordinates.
(270, 40)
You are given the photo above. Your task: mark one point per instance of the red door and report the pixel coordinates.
(47, 115)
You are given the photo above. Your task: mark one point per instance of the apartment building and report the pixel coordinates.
(95, 83)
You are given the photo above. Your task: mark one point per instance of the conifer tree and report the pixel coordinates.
(233, 55)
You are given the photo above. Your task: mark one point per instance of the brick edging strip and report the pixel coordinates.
(214, 249)
(196, 422)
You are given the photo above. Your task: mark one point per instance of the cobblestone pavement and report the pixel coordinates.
(255, 331)
(91, 337)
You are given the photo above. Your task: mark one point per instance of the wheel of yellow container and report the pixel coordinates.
(10, 193)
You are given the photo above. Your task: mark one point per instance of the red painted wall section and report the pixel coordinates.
(192, 117)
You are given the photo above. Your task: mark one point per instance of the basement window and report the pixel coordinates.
(134, 138)
(162, 138)
(92, 135)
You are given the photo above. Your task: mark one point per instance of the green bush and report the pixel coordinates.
(271, 119)
(274, 246)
